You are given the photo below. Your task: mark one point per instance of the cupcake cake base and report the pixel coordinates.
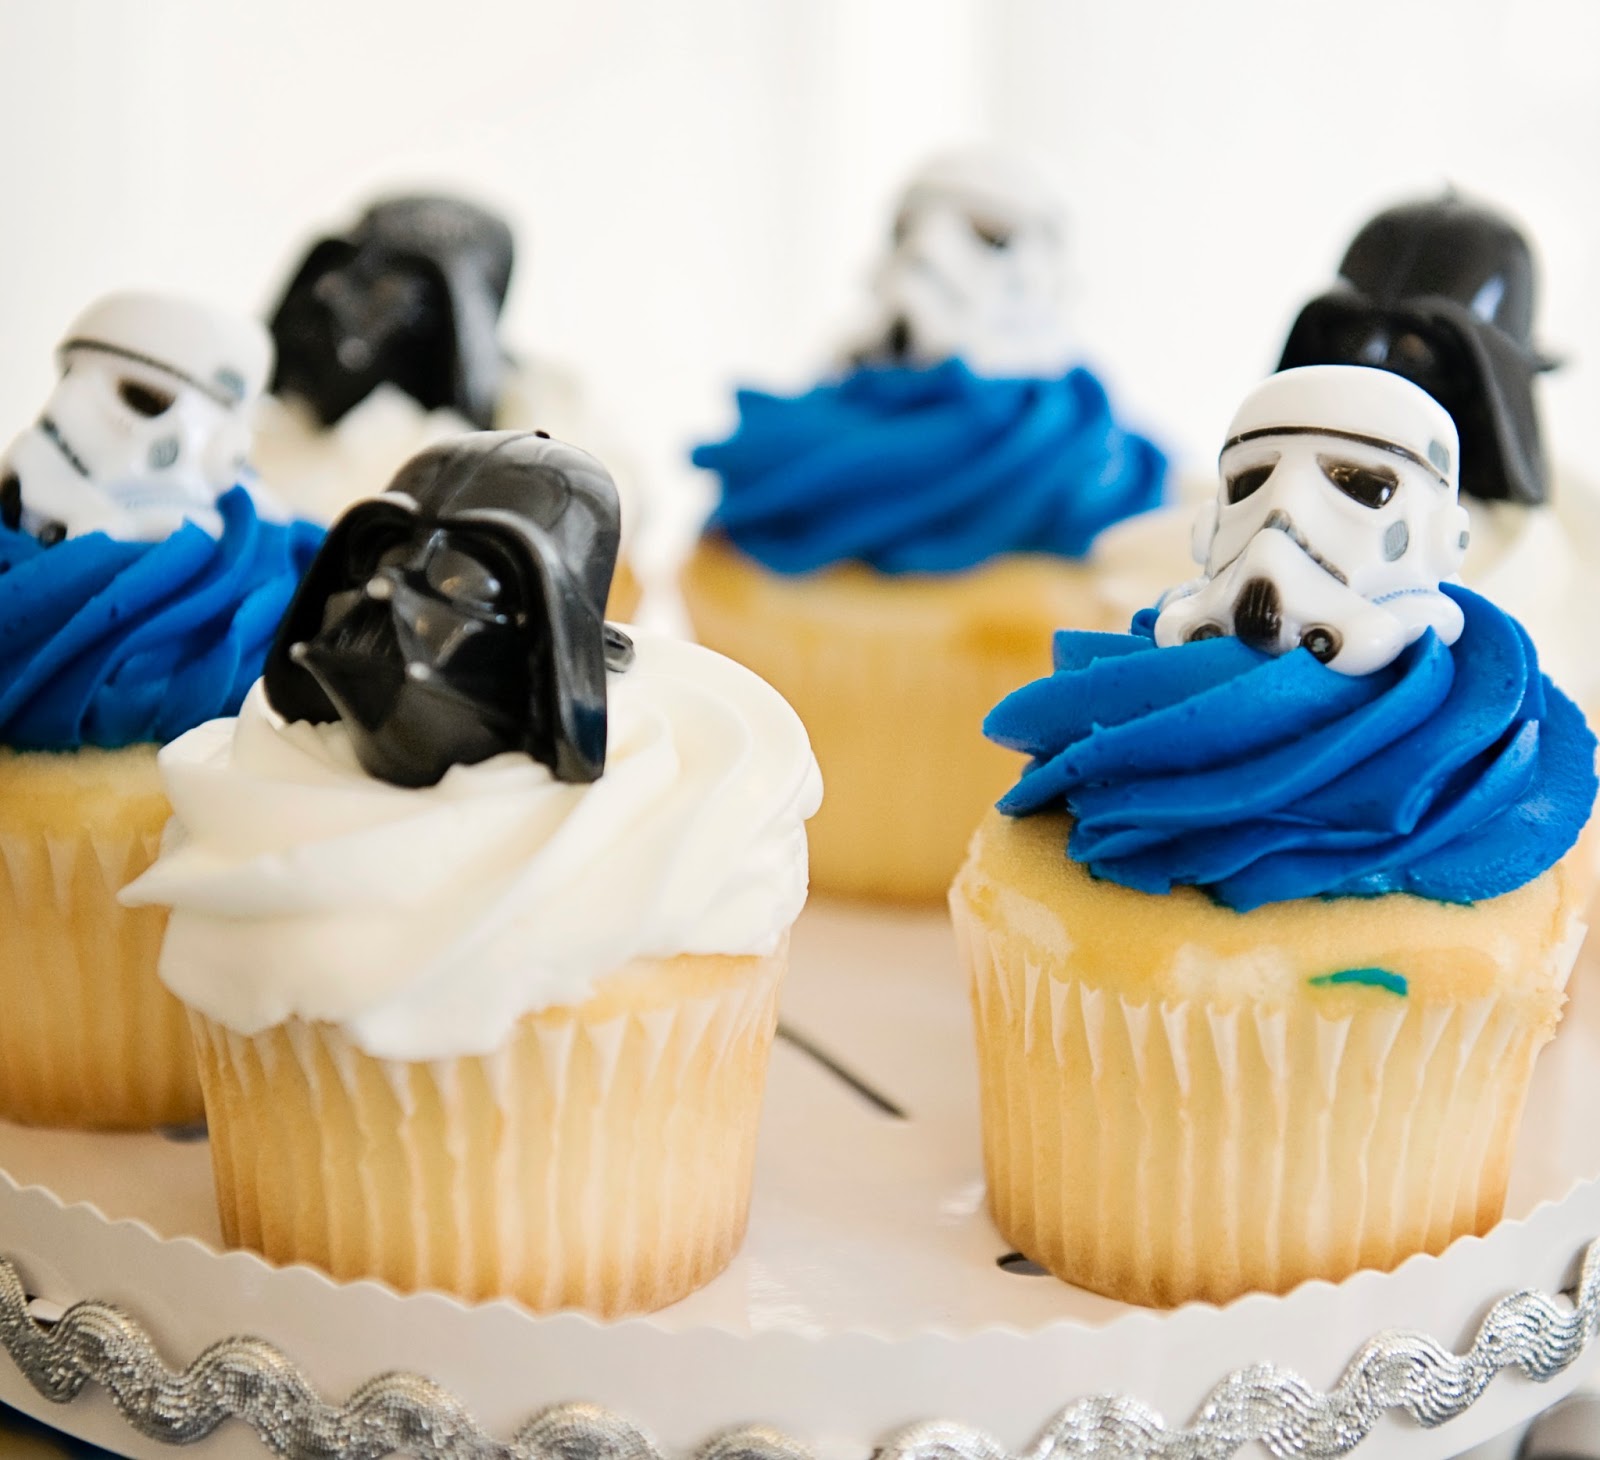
(892, 677)
(1182, 1103)
(601, 1159)
(88, 1035)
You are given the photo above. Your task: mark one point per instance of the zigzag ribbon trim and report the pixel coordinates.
(249, 1380)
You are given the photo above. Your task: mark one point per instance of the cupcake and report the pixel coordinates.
(480, 907)
(1265, 941)
(140, 591)
(388, 341)
(1442, 292)
(893, 548)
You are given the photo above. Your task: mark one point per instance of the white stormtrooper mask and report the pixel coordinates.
(1335, 521)
(975, 271)
(148, 425)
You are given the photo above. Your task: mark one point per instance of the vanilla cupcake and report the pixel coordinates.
(480, 907)
(1274, 1013)
(139, 590)
(893, 548)
(388, 342)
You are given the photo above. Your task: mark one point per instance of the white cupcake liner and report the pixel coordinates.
(88, 1035)
(596, 1164)
(1171, 1150)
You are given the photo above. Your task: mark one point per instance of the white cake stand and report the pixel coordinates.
(871, 1305)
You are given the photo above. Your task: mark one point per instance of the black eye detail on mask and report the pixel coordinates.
(1371, 486)
(1244, 483)
(469, 574)
(1413, 356)
(145, 399)
(462, 614)
(995, 235)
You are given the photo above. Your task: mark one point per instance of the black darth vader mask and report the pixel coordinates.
(1443, 293)
(462, 614)
(411, 297)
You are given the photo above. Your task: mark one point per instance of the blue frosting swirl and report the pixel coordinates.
(111, 643)
(928, 470)
(1455, 773)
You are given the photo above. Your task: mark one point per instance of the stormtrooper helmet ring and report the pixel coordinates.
(1336, 518)
(148, 425)
(974, 270)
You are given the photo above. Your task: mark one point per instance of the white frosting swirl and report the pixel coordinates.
(318, 471)
(426, 922)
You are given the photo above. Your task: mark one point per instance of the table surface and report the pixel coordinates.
(22, 1439)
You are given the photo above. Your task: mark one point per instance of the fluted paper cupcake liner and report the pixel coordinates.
(1163, 1152)
(88, 1034)
(892, 679)
(594, 1162)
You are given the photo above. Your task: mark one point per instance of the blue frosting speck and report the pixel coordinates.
(1372, 978)
(112, 643)
(928, 470)
(1455, 773)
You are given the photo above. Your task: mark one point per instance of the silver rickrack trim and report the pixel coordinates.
(250, 1380)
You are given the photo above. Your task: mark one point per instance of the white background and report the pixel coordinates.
(699, 188)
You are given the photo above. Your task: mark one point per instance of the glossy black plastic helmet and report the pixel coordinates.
(462, 613)
(1442, 293)
(411, 297)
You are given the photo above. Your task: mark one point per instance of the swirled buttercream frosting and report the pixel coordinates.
(110, 643)
(1454, 773)
(425, 921)
(927, 470)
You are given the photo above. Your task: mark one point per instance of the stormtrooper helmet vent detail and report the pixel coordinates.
(975, 270)
(410, 297)
(148, 425)
(1442, 292)
(462, 614)
(1336, 518)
